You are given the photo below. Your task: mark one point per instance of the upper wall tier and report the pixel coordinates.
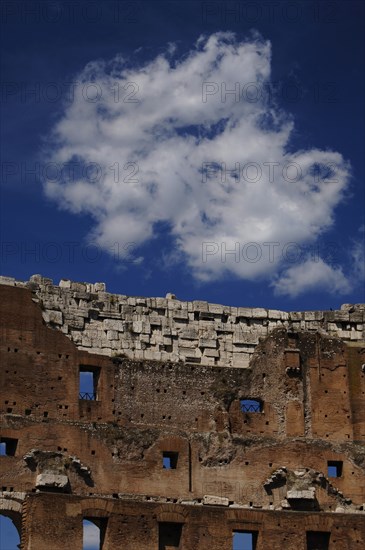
(167, 329)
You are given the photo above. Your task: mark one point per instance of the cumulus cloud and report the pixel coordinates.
(312, 275)
(171, 144)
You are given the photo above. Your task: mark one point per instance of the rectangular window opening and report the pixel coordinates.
(8, 446)
(244, 540)
(318, 540)
(334, 468)
(251, 405)
(169, 536)
(169, 460)
(88, 383)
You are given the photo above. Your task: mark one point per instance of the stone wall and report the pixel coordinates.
(167, 329)
(266, 471)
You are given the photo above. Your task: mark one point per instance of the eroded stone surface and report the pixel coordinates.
(165, 329)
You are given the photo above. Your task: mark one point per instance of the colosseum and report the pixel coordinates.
(171, 425)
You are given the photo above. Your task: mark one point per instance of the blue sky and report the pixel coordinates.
(126, 159)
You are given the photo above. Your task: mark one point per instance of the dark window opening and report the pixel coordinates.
(8, 446)
(334, 468)
(318, 540)
(94, 530)
(251, 405)
(88, 383)
(169, 460)
(169, 535)
(244, 540)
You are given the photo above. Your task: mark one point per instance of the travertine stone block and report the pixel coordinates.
(215, 501)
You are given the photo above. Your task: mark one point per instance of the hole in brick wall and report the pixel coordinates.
(27, 412)
(169, 535)
(60, 378)
(169, 460)
(318, 540)
(8, 446)
(244, 540)
(9, 410)
(45, 414)
(334, 468)
(93, 452)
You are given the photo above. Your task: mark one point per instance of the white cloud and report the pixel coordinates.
(169, 133)
(312, 275)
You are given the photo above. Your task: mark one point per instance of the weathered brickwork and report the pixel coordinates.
(288, 466)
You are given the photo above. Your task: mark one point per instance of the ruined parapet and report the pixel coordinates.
(167, 329)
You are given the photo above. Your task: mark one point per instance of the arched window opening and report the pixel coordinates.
(93, 533)
(251, 405)
(9, 536)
